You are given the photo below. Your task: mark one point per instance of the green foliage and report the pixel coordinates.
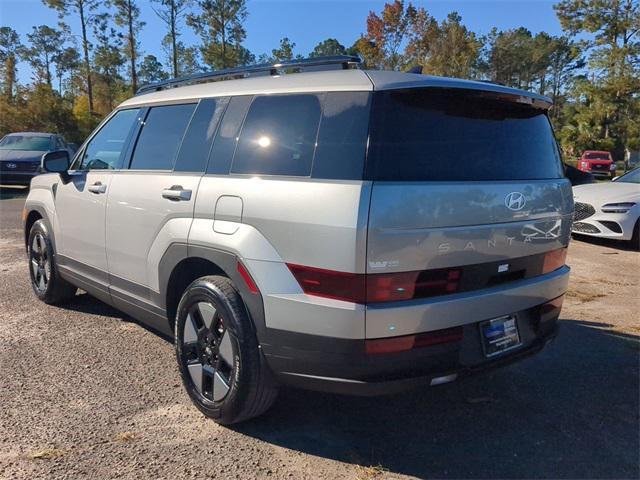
(219, 24)
(328, 47)
(10, 49)
(171, 12)
(151, 70)
(127, 15)
(45, 46)
(448, 49)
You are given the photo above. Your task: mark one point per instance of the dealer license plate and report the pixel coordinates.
(499, 335)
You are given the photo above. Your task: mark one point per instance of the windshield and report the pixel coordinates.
(19, 142)
(447, 135)
(596, 156)
(631, 177)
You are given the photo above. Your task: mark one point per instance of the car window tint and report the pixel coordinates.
(199, 137)
(342, 140)
(105, 150)
(160, 137)
(279, 135)
(227, 137)
(458, 135)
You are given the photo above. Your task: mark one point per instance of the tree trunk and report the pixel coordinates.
(132, 49)
(85, 48)
(174, 49)
(10, 76)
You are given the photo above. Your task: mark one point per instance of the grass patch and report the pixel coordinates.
(125, 437)
(584, 297)
(370, 472)
(46, 454)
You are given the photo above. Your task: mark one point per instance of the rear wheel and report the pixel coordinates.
(45, 280)
(217, 350)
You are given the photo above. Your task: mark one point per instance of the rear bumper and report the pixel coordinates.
(343, 365)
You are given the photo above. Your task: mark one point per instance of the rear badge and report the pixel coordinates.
(503, 268)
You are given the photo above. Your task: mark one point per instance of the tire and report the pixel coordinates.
(218, 356)
(635, 239)
(45, 279)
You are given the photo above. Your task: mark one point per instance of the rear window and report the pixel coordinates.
(596, 156)
(445, 135)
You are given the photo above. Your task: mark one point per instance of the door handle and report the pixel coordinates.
(97, 187)
(176, 192)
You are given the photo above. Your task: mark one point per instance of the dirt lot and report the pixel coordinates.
(87, 393)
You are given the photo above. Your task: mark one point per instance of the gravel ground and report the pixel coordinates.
(87, 393)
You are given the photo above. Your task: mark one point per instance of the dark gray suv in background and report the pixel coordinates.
(21, 153)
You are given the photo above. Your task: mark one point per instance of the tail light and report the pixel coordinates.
(380, 346)
(376, 288)
(554, 259)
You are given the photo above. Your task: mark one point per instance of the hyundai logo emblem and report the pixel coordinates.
(515, 201)
(11, 165)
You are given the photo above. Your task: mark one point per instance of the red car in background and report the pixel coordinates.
(599, 164)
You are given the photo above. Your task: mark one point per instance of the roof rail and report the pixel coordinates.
(289, 66)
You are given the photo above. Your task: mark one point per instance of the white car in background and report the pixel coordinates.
(609, 210)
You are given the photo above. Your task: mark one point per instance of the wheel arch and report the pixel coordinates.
(35, 213)
(182, 264)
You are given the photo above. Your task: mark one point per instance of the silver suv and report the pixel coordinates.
(316, 225)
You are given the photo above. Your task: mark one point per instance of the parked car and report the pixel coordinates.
(599, 164)
(241, 217)
(21, 154)
(609, 210)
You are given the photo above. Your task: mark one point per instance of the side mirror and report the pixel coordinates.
(577, 177)
(56, 162)
(615, 178)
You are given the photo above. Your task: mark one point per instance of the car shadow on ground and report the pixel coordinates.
(7, 193)
(85, 303)
(604, 242)
(570, 412)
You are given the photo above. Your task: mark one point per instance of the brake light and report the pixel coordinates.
(380, 346)
(251, 285)
(375, 288)
(349, 287)
(554, 259)
(387, 287)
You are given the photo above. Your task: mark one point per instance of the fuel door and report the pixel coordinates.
(228, 214)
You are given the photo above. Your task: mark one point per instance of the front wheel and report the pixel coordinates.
(45, 280)
(217, 350)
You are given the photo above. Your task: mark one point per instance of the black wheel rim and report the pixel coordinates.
(208, 351)
(40, 263)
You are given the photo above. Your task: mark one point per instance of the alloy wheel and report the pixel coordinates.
(207, 350)
(40, 263)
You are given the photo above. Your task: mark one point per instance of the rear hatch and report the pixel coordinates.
(463, 179)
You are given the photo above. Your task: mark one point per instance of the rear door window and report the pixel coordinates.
(449, 135)
(226, 140)
(161, 136)
(279, 135)
(196, 144)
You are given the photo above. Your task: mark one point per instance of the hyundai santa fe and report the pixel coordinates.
(314, 224)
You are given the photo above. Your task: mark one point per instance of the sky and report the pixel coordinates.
(306, 23)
